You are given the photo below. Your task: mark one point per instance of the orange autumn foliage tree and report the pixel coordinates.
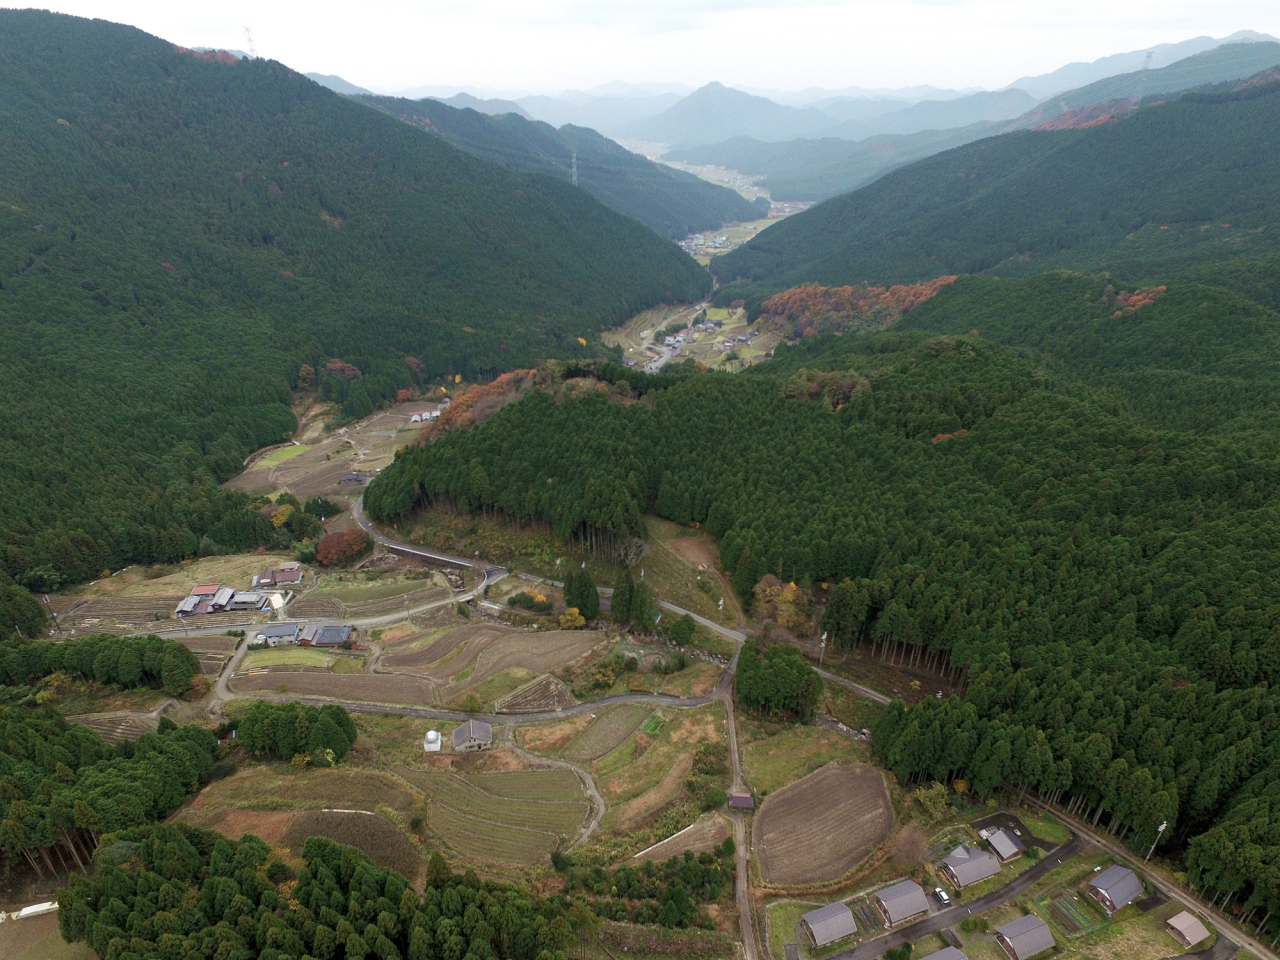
(338, 548)
(479, 403)
(811, 309)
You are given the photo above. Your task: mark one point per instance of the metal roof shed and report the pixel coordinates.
(946, 953)
(1025, 937)
(829, 924)
(1116, 887)
(1006, 846)
(473, 735)
(1187, 929)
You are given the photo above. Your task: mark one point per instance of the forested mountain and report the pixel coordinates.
(1081, 519)
(1172, 186)
(818, 169)
(180, 233)
(936, 115)
(671, 202)
(715, 112)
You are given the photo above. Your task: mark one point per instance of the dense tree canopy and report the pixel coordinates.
(194, 894)
(106, 658)
(1081, 521)
(776, 680)
(284, 730)
(181, 233)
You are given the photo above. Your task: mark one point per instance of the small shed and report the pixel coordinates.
(472, 736)
(902, 901)
(829, 924)
(431, 742)
(946, 953)
(1025, 937)
(1006, 846)
(968, 865)
(1187, 929)
(1115, 888)
(741, 800)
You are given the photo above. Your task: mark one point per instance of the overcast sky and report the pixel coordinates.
(551, 45)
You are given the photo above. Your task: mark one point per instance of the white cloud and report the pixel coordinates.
(549, 45)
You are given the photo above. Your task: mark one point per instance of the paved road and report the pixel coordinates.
(953, 915)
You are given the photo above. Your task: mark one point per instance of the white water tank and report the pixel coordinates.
(431, 742)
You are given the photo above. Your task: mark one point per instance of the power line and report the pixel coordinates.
(248, 39)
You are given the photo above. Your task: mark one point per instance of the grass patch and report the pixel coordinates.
(280, 456)
(348, 665)
(653, 725)
(697, 679)
(676, 580)
(1047, 829)
(499, 685)
(852, 709)
(302, 656)
(388, 738)
(606, 733)
(772, 762)
(713, 643)
(781, 918)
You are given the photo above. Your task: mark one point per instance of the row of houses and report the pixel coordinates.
(285, 575)
(310, 634)
(1021, 939)
(426, 416)
(215, 598)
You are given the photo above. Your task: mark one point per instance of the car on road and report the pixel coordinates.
(942, 896)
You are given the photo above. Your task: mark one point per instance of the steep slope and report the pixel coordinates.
(492, 108)
(818, 169)
(179, 233)
(1229, 62)
(671, 202)
(1171, 186)
(716, 112)
(336, 84)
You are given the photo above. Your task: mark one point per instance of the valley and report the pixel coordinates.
(771, 524)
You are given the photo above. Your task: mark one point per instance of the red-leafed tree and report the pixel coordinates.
(339, 548)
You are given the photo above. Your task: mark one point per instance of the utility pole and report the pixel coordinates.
(822, 649)
(1155, 841)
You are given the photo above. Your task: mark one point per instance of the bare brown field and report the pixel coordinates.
(819, 828)
(705, 833)
(135, 610)
(317, 606)
(376, 837)
(541, 695)
(209, 644)
(37, 938)
(266, 825)
(551, 737)
(400, 633)
(608, 731)
(370, 688)
(539, 652)
(464, 644)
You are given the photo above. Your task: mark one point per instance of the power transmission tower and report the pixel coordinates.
(248, 39)
(575, 169)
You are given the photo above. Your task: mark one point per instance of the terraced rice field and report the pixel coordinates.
(819, 828)
(705, 833)
(371, 688)
(510, 817)
(136, 610)
(317, 606)
(542, 695)
(113, 729)
(607, 732)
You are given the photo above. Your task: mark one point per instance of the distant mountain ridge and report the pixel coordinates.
(1143, 197)
(672, 203)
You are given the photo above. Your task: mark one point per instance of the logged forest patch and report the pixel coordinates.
(818, 829)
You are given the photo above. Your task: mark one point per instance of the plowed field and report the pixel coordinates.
(371, 688)
(819, 828)
(545, 693)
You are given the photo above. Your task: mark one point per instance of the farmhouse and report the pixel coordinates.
(1187, 929)
(284, 575)
(357, 478)
(222, 599)
(967, 865)
(1006, 846)
(829, 924)
(205, 590)
(741, 800)
(946, 953)
(1025, 937)
(246, 600)
(902, 901)
(1115, 888)
(275, 634)
(431, 742)
(326, 635)
(473, 735)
